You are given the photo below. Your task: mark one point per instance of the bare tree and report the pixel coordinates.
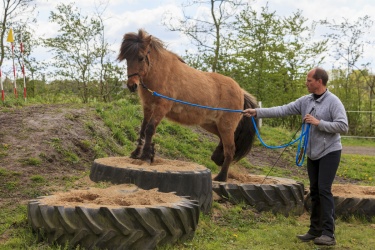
(206, 31)
(347, 40)
(109, 74)
(82, 54)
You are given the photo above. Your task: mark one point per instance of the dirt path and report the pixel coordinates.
(358, 150)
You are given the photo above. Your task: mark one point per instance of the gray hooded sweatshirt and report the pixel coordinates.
(328, 108)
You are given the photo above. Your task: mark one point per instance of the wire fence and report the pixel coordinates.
(361, 124)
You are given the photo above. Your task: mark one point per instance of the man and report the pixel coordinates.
(327, 116)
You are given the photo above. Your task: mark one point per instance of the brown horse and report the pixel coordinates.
(159, 70)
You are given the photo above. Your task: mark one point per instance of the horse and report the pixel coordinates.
(157, 69)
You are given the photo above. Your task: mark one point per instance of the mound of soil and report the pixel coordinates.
(238, 178)
(352, 191)
(114, 196)
(42, 147)
(159, 164)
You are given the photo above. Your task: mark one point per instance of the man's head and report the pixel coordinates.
(316, 81)
(321, 74)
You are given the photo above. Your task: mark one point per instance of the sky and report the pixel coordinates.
(123, 16)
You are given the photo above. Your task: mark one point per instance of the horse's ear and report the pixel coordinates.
(148, 40)
(143, 35)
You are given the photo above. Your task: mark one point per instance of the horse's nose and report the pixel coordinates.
(132, 87)
(133, 81)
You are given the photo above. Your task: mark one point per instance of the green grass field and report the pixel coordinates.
(228, 226)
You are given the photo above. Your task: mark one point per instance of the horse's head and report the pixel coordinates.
(135, 48)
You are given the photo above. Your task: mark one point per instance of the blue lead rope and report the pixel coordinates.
(196, 105)
(301, 151)
(302, 140)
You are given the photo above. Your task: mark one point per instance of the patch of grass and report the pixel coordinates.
(71, 117)
(126, 128)
(101, 145)
(35, 191)
(358, 167)
(38, 179)
(32, 161)
(56, 143)
(70, 181)
(11, 185)
(3, 172)
(358, 142)
(71, 157)
(4, 149)
(8, 173)
(103, 184)
(11, 216)
(190, 147)
(276, 136)
(86, 144)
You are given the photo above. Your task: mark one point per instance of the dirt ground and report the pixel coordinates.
(55, 143)
(116, 195)
(358, 150)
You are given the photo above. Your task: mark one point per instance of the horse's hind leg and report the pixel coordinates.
(218, 155)
(229, 150)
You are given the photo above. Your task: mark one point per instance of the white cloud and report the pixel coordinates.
(122, 16)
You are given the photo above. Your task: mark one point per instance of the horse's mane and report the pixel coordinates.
(132, 43)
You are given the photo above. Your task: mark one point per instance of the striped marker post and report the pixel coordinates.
(11, 40)
(2, 87)
(23, 70)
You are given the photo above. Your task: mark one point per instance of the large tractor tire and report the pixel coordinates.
(112, 226)
(359, 203)
(184, 178)
(285, 196)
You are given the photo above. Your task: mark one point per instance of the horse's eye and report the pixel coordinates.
(140, 59)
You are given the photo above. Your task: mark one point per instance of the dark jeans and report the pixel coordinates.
(322, 172)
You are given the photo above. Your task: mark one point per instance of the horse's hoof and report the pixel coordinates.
(134, 156)
(152, 155)
(221, 177)
(146, 159)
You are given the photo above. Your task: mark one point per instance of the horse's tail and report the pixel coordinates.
(244, 135)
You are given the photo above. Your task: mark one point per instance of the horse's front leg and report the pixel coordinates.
(148, 151)
(136, 154)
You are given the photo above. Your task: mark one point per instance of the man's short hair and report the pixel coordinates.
(321, 74)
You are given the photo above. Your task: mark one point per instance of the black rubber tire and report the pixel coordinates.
(114, 227)
(346, 207)
(286, 199)
(197, 185)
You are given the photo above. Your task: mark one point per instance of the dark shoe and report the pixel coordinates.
(306, 237)
(325, 240)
